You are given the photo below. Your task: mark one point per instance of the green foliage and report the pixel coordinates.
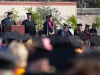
(15, 13)
(96, 22)
(47, 10)
(73, 20)
(36, 18)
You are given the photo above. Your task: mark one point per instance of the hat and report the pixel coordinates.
(17, 34)
(7, 34)
(83, 36)
(49, 16)
(7, 60)
(29, 13)
(9, 13)
(65, 24)
(65, 37)
(51, 37)
(76, 41)
(38, 54)
(38, 40)
(46, 17)
(61, 57)
(87, 25)
(25, 37)
(95, 40)
(79, 24)
(12, 37)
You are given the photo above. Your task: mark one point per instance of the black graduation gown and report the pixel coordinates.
(46, 26)
(29, 27)
(7, 22)
(77, 33)
(93, 30)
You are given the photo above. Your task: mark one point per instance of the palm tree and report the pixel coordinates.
(73, 20)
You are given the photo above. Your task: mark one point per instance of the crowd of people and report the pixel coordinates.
(60, 53)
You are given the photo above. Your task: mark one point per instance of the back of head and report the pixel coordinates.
(89, 63)
(19, 50)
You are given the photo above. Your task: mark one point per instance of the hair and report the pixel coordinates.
(19, 50)
(90, 61)
(30, 45)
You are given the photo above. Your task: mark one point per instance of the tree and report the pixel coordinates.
(73, 20)
(47, 10)
(96, 22)
(15, 13)
(36, 18)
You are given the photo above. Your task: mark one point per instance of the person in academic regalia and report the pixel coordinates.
(93, 31)
(29, 25)
(87, 30)
(49, 26)
(64, 31)
(7, 21)
(95, 42)
(79, 30)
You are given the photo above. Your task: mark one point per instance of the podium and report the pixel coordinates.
(12, 28)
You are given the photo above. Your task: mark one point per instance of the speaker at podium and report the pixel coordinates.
(12, 28)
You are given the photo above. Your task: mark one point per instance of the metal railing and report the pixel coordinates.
(88, 11)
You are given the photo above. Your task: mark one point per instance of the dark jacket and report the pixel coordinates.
(7, 22)
(93, 30)
(77, 32)
(61, 32)
(29, 27)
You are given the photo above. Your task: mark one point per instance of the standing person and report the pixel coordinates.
(49, 26)
(79, 30)
(87, 30)
(29, 25)
(93, 31)
(7, 21)
(64, 31)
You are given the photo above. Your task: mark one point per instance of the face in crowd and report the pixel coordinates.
(29, 17)
(9, 16)
(50, 19)
(65, 28)
(80, 27)
(87, 28)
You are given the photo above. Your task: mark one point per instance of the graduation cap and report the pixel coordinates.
(83, 36)
(9, 13)
(7, 60)
(49, 16)
(76, 41)
(46, 17)
(29, 14)
(59, 41)
(25, 37)
(38, 54)
(95, 40)
(38, 40)
(65, 37)
(7, 34)
(12, 37)
(65, 25)
(79, 24)
(51, 37)
(87, 25)
(61, 57)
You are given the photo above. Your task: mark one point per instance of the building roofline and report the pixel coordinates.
(38, 3)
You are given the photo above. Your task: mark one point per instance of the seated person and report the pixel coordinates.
(64, 31)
